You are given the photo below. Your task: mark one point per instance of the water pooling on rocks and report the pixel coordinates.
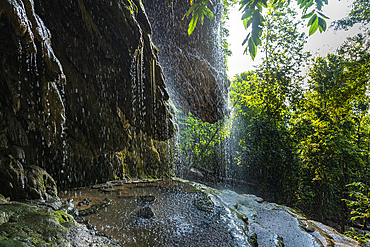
(154, 214)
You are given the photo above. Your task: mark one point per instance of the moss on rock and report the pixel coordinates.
(25, 225)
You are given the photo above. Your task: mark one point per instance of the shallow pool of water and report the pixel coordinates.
(176, 221)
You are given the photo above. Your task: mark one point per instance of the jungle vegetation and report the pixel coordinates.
(299, 127)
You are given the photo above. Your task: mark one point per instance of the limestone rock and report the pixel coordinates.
(74, 76)
(277, 225)
(148, 199)
(193, 65)
(30, 182)
(25, 225)
(40, 184)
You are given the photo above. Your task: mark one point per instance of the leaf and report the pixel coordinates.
(208, 13)
(202, 19)
(247, 14)
(193, 23)
(309, 4)
(245, 23)
(323, 15)
(303, 4)
(322, 25)
(192, 8)
(252, 48)
(319, 4)
(312, 20)
(246, 39)
(308, 15)
(314, 27)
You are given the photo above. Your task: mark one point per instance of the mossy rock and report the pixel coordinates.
(205, 204)
(25, 225)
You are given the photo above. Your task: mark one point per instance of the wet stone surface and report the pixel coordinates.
(154, 214)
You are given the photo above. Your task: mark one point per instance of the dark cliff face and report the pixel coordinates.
(80, 81)
(112, 70)
(193, 65)
(77, 79)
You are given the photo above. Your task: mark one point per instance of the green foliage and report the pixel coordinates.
(305, 144)
(360, 13)
(201, 142)
(254, 20)
(359, 200)
(327, 127)
(263, 102)
(362, 238)
(253, 17)
(198, 9)
(331, 128)
(224, 31)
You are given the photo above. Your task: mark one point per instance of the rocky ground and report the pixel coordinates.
(248, 219)
(40, 223)
(277, 225)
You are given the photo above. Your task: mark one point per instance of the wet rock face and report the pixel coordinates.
(19, 182)
(113, 74)
(74, 77)
(193, 65)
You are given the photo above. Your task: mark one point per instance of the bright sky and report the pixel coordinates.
(319, 43)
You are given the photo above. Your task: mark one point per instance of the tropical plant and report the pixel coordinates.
(201, 142)
(253, 17)
(264, 100)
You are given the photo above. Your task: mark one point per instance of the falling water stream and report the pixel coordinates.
(176, 221)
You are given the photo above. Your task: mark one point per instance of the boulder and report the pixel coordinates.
(145, 212)
(25, 225)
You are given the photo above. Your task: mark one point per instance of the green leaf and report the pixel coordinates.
(303, 4)
(208, 13)
(312, 20)
(319, 4)
(322, 25)
(191, 9)
(323, 15)
(245, 23)
(309, 4)
(252, 48)
(246, 39)
(308, 15)
(247, 14)
(314, 27)
(193, 23)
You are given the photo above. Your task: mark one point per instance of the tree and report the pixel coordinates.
(327, 128)
(264, 100)
(253, 17)
(360, 13)
(201, 143)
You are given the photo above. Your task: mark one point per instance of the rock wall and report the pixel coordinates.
(83, 95)
(77, 79)
(193, 65)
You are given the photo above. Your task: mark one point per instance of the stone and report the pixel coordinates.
(148, 199)
(277, 225)
(40, 184)
(25, 225)
(12, 178)
(17, 152)
(29, 182)
(145, 212)
(204, 204)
